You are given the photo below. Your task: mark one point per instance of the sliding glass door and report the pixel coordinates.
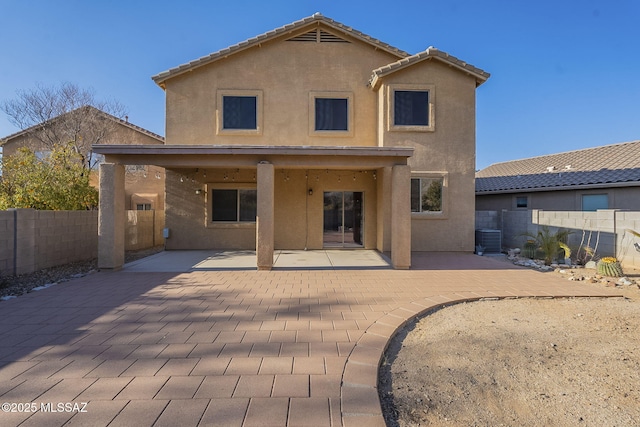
(343, 219)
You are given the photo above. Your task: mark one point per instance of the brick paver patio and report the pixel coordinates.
(230, 348)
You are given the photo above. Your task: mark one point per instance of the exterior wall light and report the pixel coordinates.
(198, 191)
(311, 191)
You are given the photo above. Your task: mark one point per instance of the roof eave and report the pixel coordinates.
(480, 75)
(561, 188)
(317, 18)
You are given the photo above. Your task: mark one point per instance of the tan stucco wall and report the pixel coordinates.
(286, 72)
(449, 148)
(295, 226)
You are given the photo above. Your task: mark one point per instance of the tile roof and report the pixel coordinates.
(315, 18)
(431, 52)
(107, 115)
(614, 165)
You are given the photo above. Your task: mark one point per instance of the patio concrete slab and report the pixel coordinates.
(211, 260)
(205, 340)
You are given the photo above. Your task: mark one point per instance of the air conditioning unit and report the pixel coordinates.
(491, 240)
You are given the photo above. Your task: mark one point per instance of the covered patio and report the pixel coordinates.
(331, 259)
(289, 183)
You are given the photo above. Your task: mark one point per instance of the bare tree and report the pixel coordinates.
(64, 114)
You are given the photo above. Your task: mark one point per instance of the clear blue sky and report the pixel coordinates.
(565, 73)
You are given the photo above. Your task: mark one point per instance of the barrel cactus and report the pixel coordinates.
(530, 248)
(609, 266)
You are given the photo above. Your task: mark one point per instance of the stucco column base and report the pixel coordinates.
(401, 217)
(265, 216)
(111, 217)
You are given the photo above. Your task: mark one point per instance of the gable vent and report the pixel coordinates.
(318, 36)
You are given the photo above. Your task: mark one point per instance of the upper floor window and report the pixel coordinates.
(411, 107)
(239, 112)
(331, 113)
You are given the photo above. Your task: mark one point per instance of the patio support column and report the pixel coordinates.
(265, 216)
(111, 217)
(401, 217)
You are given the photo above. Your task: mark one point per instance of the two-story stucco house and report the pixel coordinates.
(310, 136)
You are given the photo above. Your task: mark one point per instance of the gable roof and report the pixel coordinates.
(431, 53)
(315, 19)
(117, 120)
(610, 165)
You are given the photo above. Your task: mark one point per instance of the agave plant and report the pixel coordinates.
(551, 243)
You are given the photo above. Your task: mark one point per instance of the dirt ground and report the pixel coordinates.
(518, 362)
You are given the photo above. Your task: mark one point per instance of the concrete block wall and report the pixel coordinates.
(605, 228)
(514, 224)
(625, 221)
(487, 220)
(7, 226)
(46, 239)
(61, 237)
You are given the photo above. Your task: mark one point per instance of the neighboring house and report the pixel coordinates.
(311, 136)
(144, 185)
(606, 177)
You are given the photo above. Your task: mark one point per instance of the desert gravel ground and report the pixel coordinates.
(518, 362)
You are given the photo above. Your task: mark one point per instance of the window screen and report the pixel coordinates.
(332, 114)
(239, 112)
(411, 108)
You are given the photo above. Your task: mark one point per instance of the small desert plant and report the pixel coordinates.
(586, 252)
(479, 249)
(609, 266)
(530, 248)
(551, 244)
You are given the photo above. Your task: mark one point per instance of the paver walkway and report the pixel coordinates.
(230, 348)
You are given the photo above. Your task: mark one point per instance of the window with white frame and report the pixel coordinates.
(411, 107)
(427, 194)
(239, 112)
(233, 204)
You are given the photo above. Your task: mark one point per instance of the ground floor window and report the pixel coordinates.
(593, 202)
(522, 202)
(426, 194)
(143, 206)
(234, 205)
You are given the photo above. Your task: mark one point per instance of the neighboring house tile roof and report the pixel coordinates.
(125, 123)
(289, 28)
(480, 75)
(609, 165)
